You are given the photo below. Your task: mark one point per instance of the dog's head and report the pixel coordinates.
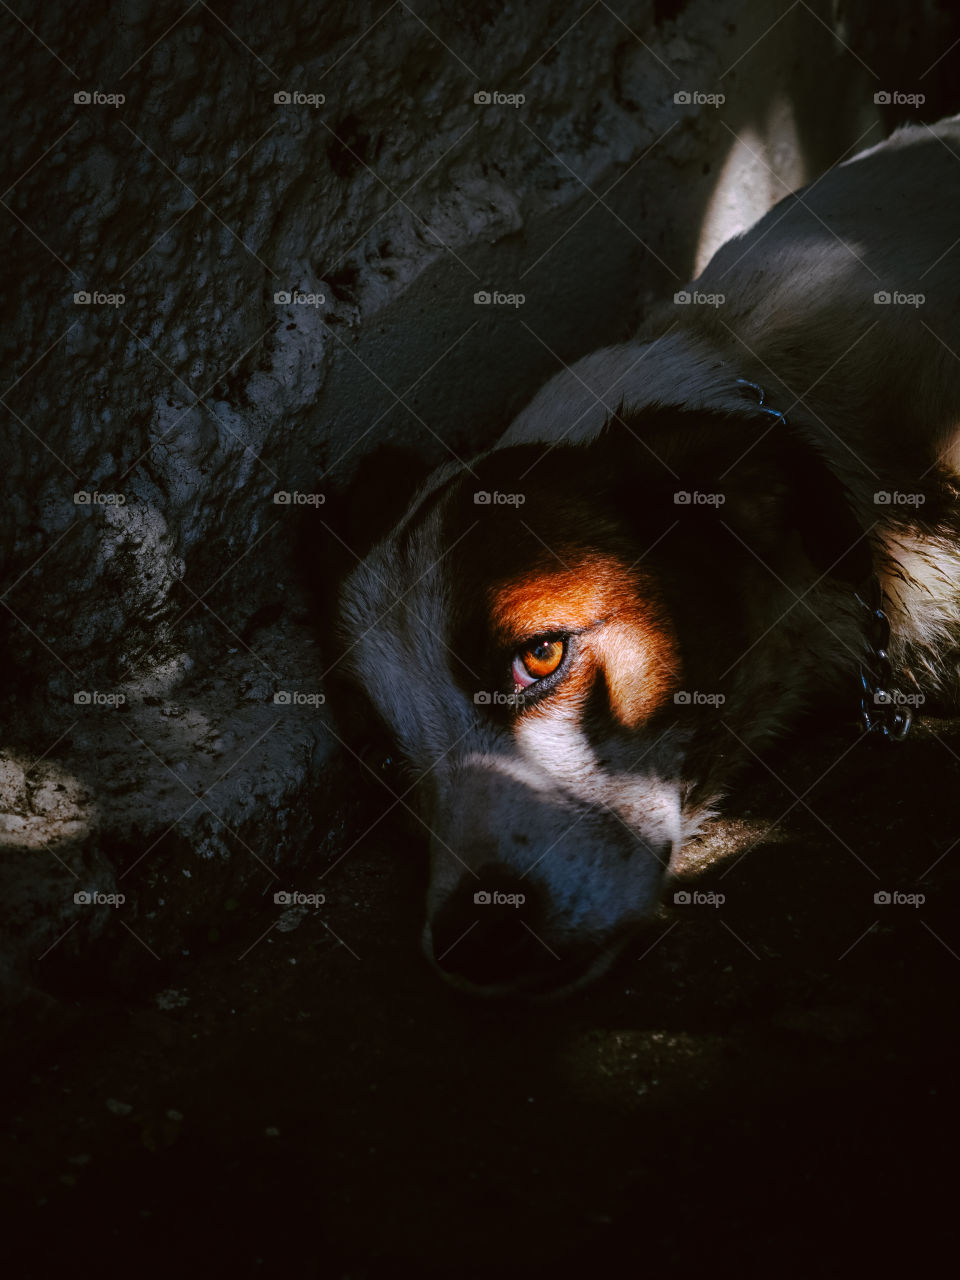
(555, 640)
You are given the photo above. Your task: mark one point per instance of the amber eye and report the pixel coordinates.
(537, 661)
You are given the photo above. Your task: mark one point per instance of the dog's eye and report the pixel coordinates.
(536, 661)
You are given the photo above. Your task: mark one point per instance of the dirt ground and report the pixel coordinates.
(761, 1088)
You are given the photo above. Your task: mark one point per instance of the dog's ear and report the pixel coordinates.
(330, 541)
(333, 538)
(751, 475)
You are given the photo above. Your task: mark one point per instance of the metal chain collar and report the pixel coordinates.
(883, 708)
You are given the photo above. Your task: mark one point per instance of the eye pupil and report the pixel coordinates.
(541, 659)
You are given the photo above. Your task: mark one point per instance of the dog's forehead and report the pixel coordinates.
(402, 590)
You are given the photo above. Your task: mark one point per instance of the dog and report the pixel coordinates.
(681, 544)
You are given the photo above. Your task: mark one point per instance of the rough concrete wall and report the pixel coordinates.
(204, 202)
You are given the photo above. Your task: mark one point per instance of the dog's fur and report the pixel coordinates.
(576, 796)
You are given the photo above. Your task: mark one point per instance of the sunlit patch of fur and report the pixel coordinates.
(920, 575)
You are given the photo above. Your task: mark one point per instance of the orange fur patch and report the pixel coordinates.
(628, 639)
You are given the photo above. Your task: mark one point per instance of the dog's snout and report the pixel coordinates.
(490, 932)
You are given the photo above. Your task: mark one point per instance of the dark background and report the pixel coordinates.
(204, 1079)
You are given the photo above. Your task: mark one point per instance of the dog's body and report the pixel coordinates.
(668, 568)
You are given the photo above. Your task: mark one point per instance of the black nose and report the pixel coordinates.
(493, 932)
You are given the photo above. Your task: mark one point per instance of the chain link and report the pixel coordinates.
(882, 708)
